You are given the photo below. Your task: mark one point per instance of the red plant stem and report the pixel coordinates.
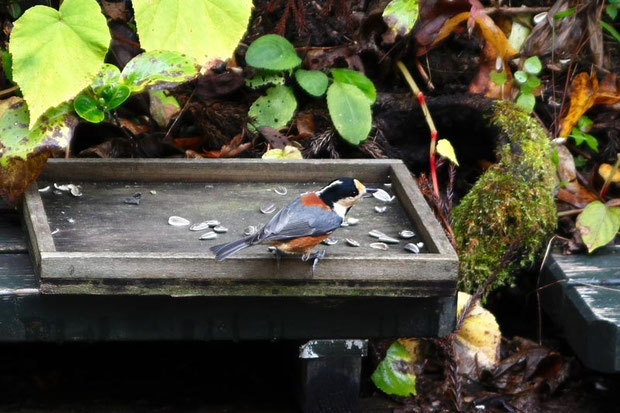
(429, 120)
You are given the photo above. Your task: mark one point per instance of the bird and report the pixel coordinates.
(304, 223)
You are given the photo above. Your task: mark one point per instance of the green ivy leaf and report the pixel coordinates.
(526, 101)
(314, 82)
(520, 76)
(499, 78)
(87, 107)
(445, 149)
(206, 30)
(158, 69)
(358, 80)
(401, 15)
(585, 124)
(272, 52)
(23, 152)
(275, 109)
(580, 137)
(265, 78)
(394, 374)
(532, 65)
(350, 111)
(56, 54)
(598, 224)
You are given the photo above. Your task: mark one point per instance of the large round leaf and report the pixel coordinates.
(56, 54)
(350, 111)
(203, 29)
(272, 52)
(275, 109)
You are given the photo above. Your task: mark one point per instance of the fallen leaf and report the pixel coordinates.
(163, 107)
(483, 82)
(276, 139)
(289, 152)
(598, 224)
(572, 192)
(394, 374)
(234, 148)
(605, 170)
(477, 341)
(608, 91)
(305, 126)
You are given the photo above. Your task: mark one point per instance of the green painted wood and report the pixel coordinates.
(583, 298)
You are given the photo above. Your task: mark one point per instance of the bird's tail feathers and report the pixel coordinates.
(223, 251)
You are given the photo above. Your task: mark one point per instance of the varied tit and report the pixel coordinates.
(305, 222)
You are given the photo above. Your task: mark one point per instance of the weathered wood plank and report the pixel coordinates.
(16, 274)
(587, 312)
(102, 243)
(12, 238)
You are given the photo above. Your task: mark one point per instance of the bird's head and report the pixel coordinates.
(342, 193)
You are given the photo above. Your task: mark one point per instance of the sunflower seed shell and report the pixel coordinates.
(176, 221)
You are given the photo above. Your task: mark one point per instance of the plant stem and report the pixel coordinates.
(429, 120)
(609, 178)
(9, 90)
(612, 203)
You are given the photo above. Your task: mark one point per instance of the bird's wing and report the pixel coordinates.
(295, 220)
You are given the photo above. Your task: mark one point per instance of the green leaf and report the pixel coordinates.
(7, 65)
(526, 101)
(87, 107)
(275, 109)
(580, 137)
(206, 30)
(520, 76)
(445, 149)
(272, 52)
(555, 157)
(401, 15)
(532, 65)
(56, 54)
(350, 111)
(598, 224)
(532, 82)
(585, 124)
(518, 33)
(612, 11)
(610, 29)
(358, 80)
(313, 82)
(113, 96)
(394, 374)
(499, 78)
(565, 13)
(109, 75)
(265, 78)
(158, 69)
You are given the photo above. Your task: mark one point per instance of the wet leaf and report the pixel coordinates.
(394, 374)
(23, 152)
(358, 80)
(598, 224)
(163, 107)
(314, 82)
(206, 30)
(275, 109)
(478, 340)
(401, 15)
(87, 107)
(158, 69)
(289, 152)
(55, 55)
(349, 109)
(272, 52)
(445, 149)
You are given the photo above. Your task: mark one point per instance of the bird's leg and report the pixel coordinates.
(316, 257)
(278, 255)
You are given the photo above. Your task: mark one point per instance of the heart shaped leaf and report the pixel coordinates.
(598, 224)
(349, 109)
(55, 54)
(206, 30)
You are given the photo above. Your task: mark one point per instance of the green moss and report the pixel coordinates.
(510, 198)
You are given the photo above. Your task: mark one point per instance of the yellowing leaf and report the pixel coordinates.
(289, 152)
(206, 30)
(57, 53)
(445, 149)
(582, 94)
(605, 170)
(598, 224)
(478, 339)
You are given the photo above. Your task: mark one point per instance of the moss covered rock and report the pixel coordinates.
(510, 198)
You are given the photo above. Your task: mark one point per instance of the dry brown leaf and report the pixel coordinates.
(482, 82)
(305, 126)
(235, 147)
(608, 92)
(582, 93)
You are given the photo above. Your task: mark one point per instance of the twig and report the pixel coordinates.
(429, 120)
(179, 115)
(567, 213)
(515, 10)
(9, 90)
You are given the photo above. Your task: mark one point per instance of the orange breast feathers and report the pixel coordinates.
(312, 199)
(300, 245)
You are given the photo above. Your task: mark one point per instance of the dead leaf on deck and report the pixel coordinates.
(586, 92)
